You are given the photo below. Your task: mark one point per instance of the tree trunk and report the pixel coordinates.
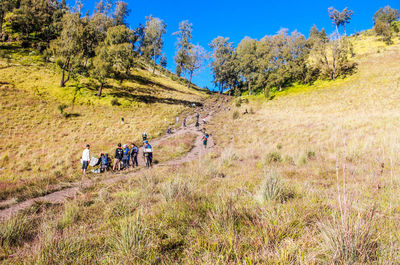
(280, 87)
(1, 25)
(337, 31)
(190, 80)
(100, 90)
(344, 29)
(155, 59)
(249, 87)
(62, 83)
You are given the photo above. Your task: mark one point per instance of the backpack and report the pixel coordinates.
(119, 153)
(104, 159)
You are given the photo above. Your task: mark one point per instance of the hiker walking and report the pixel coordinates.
(119, 152)
(134, 154)
(205, 139)
(184, 122)
(197, 117)
(148, 154)
(85, 159)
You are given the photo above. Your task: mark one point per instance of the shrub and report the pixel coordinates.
(310, 155)
(273, 157)
(176, 188)
(130, 241)
(61, 108)
(246, 100)
(16, 230)
(349, 239)
(115, 102)
(274, 189)
(238, 103)
(235, 115)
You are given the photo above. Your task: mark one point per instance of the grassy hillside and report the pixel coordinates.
(40, 146)
(310, 177)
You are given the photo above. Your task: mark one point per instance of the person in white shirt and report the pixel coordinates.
(85, 159)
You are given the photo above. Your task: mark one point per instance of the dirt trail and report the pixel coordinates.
(61, 195)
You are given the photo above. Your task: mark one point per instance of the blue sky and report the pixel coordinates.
(238, 19)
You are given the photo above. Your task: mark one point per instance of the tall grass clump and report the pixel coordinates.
(274, 189)
(130, 241)
(176, 188)
(349, 238)
(16, 230)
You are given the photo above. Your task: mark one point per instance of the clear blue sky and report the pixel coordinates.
(238, 19)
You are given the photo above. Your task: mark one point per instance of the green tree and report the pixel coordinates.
(121, 13)
(183, 45)
(386, 15)
(196, 57)
(102, 67)
(340, 18)
(68, 47)
(247, 59)
(119, 41)
(35, 20)
(384, 30)
(222, 63)
(153, 39)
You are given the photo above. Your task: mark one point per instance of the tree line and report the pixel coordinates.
(280, 60)
(101, 45)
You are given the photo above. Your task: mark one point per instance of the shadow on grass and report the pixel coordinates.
(152, 99)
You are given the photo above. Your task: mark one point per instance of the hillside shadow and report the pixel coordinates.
(145, 81)
(148, 99)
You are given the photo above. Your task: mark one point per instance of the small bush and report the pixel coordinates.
(16, 230)
(289, 160)
(115, 102)
(130, 241)
(246, 101)
(310, 155)
(175, 189)
(252, 110)
(274, 189)
(61, 108)
(238, 103)
(349, 239)
(235, 115)
(274, 157)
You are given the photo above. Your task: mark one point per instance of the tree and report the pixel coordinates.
(340, 18)
(119, 42)
(332, 57)
(68, 46)
(196, 57)
(102, 67)
(5, 7)
(247, 59)
(153, 39)
(222, 67)
(384, 30)
(34, 20)
(386, 15)
(121, 13)
(183, 45)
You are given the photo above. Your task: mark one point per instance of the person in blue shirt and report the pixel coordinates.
(125, 157)
(148, 153)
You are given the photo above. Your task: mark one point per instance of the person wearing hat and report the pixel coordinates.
(147, 153)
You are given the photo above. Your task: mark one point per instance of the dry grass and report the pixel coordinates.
(334, 150)
(41, 145)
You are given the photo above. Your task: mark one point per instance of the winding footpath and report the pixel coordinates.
(61, 195)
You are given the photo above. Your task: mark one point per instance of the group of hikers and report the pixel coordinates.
(124, 157)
